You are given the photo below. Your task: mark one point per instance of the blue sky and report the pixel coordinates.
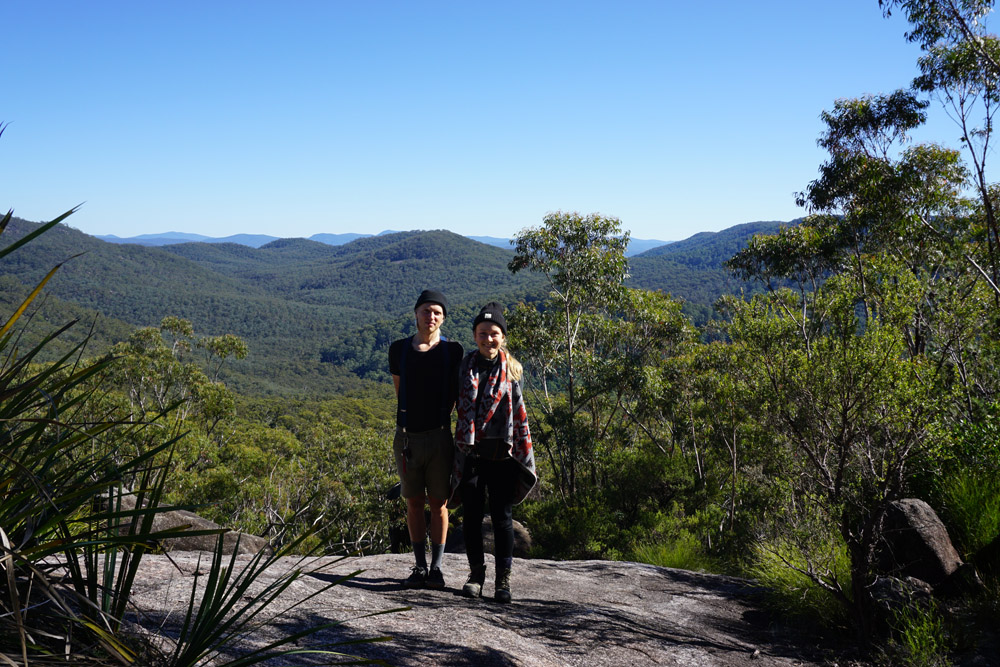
(297, 118)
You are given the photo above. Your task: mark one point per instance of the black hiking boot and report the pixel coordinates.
(417, 578)
(435, 579)
(473, 587)
(502, 592)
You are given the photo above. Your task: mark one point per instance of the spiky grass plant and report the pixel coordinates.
(920, 638)
(971, 499)
(69, 551)
(225, 614)
(789, 577)
(684, 552)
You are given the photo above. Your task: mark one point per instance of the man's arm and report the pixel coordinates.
(395, 383)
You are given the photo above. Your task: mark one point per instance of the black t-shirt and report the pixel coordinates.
(430, 383)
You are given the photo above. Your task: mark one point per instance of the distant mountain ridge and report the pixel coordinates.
(636, 246)
(301, 302)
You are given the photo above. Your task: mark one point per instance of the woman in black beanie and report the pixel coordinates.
(493, 457)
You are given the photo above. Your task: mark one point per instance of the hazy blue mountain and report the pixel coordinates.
(252, 240)
(166, 238)
(636, 246)
(336, 239)
(495, 241)
(639, 246)
(171, 238)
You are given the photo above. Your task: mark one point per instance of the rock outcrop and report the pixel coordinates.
(590, 613)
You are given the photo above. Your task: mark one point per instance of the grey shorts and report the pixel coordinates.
(424, 462)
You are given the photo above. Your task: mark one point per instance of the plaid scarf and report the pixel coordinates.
(472, 421)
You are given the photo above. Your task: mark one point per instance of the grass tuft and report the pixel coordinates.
(683, 553)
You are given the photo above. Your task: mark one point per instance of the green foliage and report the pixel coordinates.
(588, 347)
(583, 257)
(850, 409)
(872, 125)
(860, 367)
(933, 22)
(685, 552)
(582, 530)
(970, 505)
(640, 496)
(791, 581)
(920, 638)
(280, 467)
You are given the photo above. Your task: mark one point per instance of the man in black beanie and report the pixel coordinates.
(424, 371)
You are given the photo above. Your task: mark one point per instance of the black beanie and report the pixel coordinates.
(432, 296)
(491, 312)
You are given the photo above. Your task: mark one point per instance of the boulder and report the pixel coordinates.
(232, 541)
(241, 543)
(890, 595)
(522, 539)
(916, 543)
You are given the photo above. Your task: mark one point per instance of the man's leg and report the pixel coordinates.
(412, 484)
(415, 521)
(417, 526)
(438, 475)
(439, 519)
(439, 531)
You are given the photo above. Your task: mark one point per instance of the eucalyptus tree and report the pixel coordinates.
(583, 258)
(592, 346)
(868, 320)
(155, 372)
(961, 67)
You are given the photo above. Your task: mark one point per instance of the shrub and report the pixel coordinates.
(782, 569)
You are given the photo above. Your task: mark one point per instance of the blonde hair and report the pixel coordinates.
(514, 369)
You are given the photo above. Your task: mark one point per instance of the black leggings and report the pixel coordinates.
(496, 479)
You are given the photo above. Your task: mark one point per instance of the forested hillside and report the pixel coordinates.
(693, 269)
(290, 300)
(373, 276)
(318, 317)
